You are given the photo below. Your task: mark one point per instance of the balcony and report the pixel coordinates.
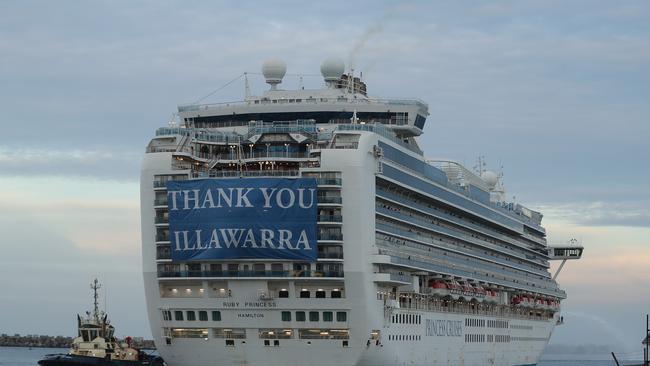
(322, 200)
(163, 255)
(159, 184)
(160, 202)
(322, 255)
(329, 182)
(251, 274)
(330, 237)
(162, 238)
(160, 220)
(330, 218)
(394, 278)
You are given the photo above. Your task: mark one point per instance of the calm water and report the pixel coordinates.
(10, 356)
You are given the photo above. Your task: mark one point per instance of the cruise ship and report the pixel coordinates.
(306, 227)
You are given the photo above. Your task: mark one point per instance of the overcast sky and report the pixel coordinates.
(556, 92)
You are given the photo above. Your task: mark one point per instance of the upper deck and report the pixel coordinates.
(342, 100)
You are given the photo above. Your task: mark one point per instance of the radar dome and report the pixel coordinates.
(273, 71)
(490, 178)
(332, 69)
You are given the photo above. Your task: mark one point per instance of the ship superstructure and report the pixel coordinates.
(411, 261)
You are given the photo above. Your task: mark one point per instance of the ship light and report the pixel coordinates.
(283, 289)
(201, 290)
(222, 290)
(174, 290)
(324, 333)
(188, 290)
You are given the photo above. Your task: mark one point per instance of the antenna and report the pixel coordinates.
(95, 286)
(247, 87)
(105, 298)
(300, 83)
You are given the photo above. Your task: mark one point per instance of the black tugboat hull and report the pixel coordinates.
(74, 360)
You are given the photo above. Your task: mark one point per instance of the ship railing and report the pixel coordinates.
(381, 130)
(326, 199)
(451, 268)
(329, 181)
(343, 146)
(324, 100)
(162, 237)
(461, 236)
(456, 261)
(255, 155)
(330, 236)
(253, 273)
(445, 216)
(330, 218)
(245, 173)
(160, 202)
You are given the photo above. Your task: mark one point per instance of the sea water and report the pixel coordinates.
(23, 356)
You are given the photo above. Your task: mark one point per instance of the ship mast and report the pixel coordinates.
(95, 286)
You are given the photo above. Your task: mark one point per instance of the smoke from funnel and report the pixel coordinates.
(361, 42)
(374, 29)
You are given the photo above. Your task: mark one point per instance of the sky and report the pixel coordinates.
(556, 93)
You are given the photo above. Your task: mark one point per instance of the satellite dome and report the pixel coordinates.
(273, 71)
(490, 178)
(332, 69)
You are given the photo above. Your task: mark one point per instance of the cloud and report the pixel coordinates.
(600, 213)
(105, 164)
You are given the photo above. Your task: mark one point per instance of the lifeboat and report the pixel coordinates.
(491, 296)
(438, 287)
(516, 300)
(455, 289)
(480, 293)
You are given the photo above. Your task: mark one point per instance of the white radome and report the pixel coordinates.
(332, 69)
(274, 70)
(490, 178)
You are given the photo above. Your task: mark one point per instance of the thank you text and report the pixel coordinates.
(242, 218)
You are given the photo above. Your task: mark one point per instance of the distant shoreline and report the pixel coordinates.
(45, 341)
(20, 346)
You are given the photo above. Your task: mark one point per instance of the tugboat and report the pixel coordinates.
(96, 345)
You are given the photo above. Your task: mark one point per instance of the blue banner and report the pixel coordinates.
(271, 218)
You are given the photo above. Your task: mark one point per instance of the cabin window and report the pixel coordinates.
(313, 316)
(167, 315)
(320, 294)
(203, 316)
(300, 316)
(283, 294)
(335, 294)
(178, 315)
(216, 316)
(328, 316)
(341, 316)
(304, 294)
(286, 316)
(191, 315)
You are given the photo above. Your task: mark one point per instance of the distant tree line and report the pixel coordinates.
(31, 340)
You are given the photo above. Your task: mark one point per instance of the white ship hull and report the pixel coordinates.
(522, 343)
(417, 264)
